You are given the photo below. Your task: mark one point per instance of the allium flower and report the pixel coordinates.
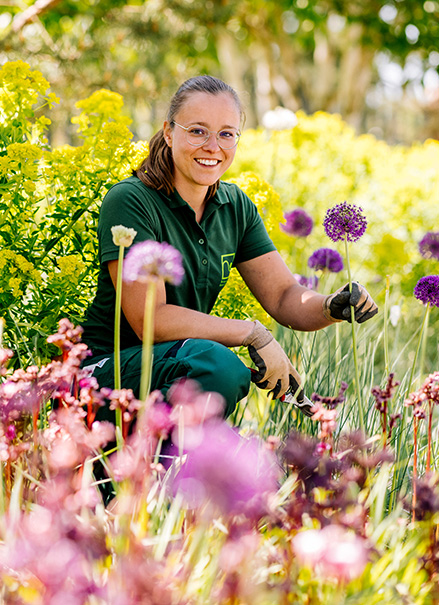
(309, 282)
(123, 236)
(231, 473)
(299, 223)
(427, 290)
(153, 259)
(344, 220)
(326, 258)
(429, 245)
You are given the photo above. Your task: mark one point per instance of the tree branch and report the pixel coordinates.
(31, 13)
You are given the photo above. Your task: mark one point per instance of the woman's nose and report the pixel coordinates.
(212, 142)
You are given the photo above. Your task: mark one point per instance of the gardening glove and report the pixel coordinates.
(337, 306)
(274, 369)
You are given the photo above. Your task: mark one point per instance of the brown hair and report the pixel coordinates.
(157, 169)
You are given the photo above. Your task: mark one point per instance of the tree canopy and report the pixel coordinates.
(373, 61)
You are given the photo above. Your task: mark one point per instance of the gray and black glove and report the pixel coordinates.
(274, 369)
(337, 306)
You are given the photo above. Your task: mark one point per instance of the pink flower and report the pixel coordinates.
(159, 420)
(234, 475)
(191, 406)
(332, 552)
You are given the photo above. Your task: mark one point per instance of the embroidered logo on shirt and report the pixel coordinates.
(226, 266)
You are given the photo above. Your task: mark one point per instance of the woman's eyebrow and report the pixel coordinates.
(207, 126)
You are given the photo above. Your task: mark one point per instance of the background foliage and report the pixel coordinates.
(51, 197)
(374, 62)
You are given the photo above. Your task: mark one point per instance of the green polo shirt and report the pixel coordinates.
(230, 231)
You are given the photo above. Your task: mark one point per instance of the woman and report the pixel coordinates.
(176, 196)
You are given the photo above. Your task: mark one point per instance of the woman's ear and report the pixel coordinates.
(167, 133)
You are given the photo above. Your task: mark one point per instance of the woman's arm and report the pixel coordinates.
(279, 293)
(176, 323)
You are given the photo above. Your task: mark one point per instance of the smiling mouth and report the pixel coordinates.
(204, 162)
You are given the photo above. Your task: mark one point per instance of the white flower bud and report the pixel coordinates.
(123, 236)
(279, 119)
(395, 314)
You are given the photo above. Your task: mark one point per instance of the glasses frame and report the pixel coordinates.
(210, 133)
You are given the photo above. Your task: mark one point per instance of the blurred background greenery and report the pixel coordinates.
(375, 62)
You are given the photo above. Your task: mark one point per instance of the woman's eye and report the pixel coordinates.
(197, 132)
(227, 134)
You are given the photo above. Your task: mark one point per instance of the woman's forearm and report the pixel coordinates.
(176, 323)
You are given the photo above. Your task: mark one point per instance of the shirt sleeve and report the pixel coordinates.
(255, 240)
(125, 204)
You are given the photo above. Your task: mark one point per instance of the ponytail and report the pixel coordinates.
(157, 169)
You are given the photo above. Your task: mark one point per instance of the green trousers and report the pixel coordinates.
(211, 364)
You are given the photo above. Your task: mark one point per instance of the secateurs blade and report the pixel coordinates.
(300, 400)
(297, 397)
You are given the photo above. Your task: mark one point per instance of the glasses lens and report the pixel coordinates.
(197, 135)
(227, 139)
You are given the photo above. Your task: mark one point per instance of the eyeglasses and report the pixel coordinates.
(197, 135)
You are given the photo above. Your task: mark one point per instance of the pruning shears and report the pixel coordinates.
(296, 397)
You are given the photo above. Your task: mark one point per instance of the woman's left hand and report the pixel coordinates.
(337, 306)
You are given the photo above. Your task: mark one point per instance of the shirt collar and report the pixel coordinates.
(175, 200)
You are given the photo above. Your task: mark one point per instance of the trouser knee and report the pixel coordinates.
(217, 369)
(214, 366)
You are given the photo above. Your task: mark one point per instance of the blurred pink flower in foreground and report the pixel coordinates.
(332, 552)
(233, 474)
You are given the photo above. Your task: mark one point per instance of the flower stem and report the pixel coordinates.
(430, 420)
(386, 333)
(415, 465)
(354, 343)
(117, 314)
(148, 334)
(424, 341)
(396, 475)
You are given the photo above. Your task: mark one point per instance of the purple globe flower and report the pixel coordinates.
(429, 245)
(345, 220)
(299, 223)
(427, 290)
(309, 282)
(233, 474)
(326, 258)
(153, 259)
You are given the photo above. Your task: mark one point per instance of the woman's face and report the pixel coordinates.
(196, 168)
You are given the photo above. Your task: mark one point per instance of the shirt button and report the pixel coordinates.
(201, 241)
(204, 261)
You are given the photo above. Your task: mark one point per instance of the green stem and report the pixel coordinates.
(148, 335)
(117, 314)
(386, 333)
(396, 475)
(424, 342)
(4, 218)
(76, 216)
(354, 343)
(337, 349)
